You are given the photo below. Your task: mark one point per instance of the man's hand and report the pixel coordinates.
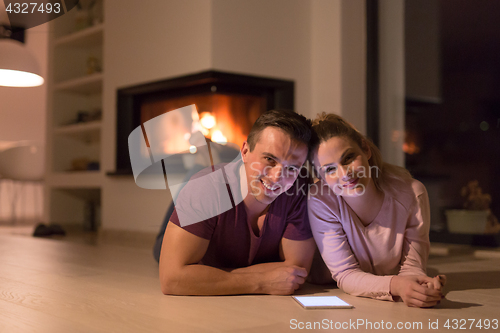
(415, 292)
(283, 280)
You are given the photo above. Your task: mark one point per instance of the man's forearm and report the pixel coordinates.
(199, 279)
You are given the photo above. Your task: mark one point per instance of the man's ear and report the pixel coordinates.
(366, 149)
(245, 149)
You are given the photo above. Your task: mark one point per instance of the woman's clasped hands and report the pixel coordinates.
(418, 290)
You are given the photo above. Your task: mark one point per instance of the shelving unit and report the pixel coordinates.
(91, 36)
(87, 132)
(79, 128)
(90, 84)
(75, 83)
(75, 180)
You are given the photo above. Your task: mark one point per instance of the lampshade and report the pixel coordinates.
(18, 67)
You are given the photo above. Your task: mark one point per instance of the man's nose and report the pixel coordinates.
(276, 173)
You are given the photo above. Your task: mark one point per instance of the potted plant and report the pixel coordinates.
(476, 217)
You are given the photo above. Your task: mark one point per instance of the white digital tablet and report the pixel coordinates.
(322, 302)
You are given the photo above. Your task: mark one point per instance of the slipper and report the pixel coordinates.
(42, 230)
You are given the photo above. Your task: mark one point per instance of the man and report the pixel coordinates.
(263, 244)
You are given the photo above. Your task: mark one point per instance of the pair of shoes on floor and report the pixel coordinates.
(43, 230)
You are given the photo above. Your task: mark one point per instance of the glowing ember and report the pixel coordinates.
(207, 120)
(218, 137)
(410, 146)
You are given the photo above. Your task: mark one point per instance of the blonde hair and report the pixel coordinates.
(327, 126)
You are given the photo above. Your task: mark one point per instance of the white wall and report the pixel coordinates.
(326, 57)
(353, 64)
(146, 41)
(267, 38)
(339, 59)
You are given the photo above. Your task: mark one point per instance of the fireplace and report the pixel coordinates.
(228, 104)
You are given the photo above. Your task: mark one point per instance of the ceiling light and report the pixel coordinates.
(18, 67)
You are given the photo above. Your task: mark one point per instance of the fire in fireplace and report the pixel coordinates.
(223, 118)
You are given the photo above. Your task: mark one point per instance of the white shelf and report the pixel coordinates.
(85, 38)
(79, 127)
(75, 179)
(89, 131)
(90, 84)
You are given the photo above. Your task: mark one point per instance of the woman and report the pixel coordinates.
(370, 219)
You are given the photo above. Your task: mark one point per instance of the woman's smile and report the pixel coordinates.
(351, 183)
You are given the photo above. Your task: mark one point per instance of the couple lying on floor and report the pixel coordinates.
(253, 226)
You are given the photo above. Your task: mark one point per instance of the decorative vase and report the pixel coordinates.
(463, 221)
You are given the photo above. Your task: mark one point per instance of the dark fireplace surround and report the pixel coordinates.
(276, 93)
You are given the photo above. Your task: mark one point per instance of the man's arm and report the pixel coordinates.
(293, 253)
(180, 273)
(299, 253)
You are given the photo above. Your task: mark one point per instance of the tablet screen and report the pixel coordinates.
(316, 302)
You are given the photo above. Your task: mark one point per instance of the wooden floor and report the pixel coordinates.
(49, 285)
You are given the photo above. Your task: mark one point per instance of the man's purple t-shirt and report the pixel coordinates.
(233, 243)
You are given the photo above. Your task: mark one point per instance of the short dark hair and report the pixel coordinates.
(297, 126)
